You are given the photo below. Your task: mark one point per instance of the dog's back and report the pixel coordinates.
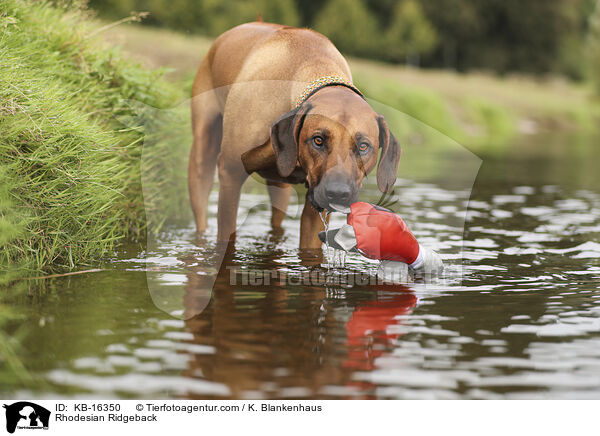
(266, 51)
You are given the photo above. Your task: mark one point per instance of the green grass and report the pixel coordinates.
(70, 179)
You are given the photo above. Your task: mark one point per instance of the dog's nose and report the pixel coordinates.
(339, 193)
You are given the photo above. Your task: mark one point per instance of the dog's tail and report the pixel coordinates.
(259, 18)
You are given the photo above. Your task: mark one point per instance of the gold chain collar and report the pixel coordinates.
(322, 83)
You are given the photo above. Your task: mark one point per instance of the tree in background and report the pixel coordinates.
(210, 17)
(458, 24)
(350, 26)
(572, 60)
(593, 46)
(175, 14)
(181, 15)
(227, 14)
(536, 36)
(409, 35)
(501, 35)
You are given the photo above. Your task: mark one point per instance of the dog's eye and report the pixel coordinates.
(318, 141)
(363, 148)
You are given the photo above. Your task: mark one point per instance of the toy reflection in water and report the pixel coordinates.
(373, 326)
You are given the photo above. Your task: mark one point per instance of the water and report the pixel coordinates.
(523, 320)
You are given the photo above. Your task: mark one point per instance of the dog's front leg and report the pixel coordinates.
(310, 226)
(231, 179)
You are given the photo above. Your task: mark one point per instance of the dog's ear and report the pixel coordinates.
(284, 137)
(389, 158)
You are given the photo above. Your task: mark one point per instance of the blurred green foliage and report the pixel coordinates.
(210, 17)
(593, 46)
(537, 36)
(409, 34)
(349, 24)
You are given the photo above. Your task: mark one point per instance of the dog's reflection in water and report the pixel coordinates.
(288, 340)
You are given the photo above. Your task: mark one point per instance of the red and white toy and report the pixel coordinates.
(378, 233)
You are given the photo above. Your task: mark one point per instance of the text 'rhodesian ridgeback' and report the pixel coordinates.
(279, 101)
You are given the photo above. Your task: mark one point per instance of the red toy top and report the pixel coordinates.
(381, 234)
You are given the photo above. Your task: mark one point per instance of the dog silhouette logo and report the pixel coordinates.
(26, 415)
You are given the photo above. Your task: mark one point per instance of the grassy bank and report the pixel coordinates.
(478, 110)
(69, 169)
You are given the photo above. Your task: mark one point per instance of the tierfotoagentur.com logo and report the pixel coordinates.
(26, 415)
(319, 277)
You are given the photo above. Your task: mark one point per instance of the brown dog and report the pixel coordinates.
(245, 119)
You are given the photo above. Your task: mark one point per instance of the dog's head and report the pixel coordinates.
(336, 137)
